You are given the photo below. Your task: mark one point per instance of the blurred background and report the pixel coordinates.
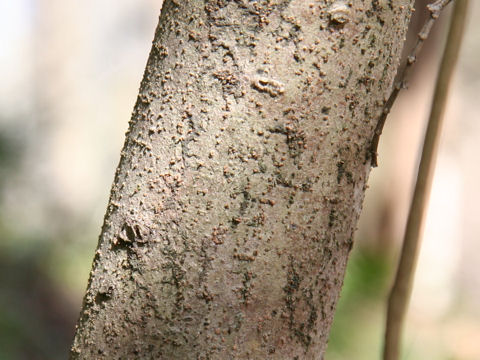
(69, 76)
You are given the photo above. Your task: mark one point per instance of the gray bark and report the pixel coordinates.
(241, 180)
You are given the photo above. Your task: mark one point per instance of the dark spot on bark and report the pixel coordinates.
(235, 221)
(245, 291)
(340, 171)
(130, 232)
(350, 244)
(305, 339)
(292, 286)
(104, 295)
(121, 244)
(331, 218)
(349, 176)
(307, 186)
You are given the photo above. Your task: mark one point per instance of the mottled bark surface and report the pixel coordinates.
(241, 180)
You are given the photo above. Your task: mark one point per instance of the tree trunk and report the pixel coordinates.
(241, 180)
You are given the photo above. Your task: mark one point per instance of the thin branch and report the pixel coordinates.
(400, 293)
(435, 9)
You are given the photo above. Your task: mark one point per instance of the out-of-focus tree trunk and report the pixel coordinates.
(241, 180)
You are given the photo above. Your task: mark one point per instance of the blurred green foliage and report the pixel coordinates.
(36, 321)
(358, 324)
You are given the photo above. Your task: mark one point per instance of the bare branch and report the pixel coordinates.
(400, 293)
(435, 9)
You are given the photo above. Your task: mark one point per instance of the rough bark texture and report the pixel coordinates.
(241, 180)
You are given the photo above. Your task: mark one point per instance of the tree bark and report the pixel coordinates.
(241, 180)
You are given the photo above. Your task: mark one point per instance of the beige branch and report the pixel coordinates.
(400, 293)
(435, 10)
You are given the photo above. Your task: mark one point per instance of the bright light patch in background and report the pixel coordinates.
(15, 50)
(440, 251)
(15, 23)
